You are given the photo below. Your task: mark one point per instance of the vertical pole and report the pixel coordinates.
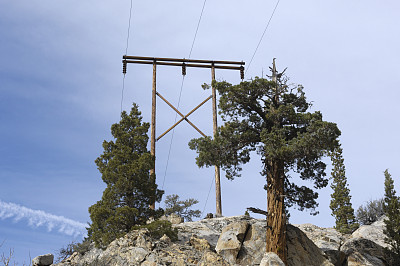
(218, 212)
(153, 129)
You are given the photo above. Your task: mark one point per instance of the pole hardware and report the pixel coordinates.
(183, 69)
(184, 63)
(124, 67)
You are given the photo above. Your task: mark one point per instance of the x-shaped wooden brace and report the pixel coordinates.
(184, 117)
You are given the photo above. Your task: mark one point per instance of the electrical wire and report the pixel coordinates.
(208, 195)
(180, 92)
(126, 52)
(262, 36)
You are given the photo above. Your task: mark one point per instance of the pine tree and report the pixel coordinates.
(124, 165)
(181, 207)
(392, 223)
(340, 204)
(272, 118)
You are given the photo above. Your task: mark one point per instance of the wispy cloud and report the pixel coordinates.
(38, 218)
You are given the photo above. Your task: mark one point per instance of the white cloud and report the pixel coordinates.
(38, 218)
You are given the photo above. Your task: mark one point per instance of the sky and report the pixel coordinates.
(61, 88)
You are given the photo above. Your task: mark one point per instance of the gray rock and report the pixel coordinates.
(324, 238)
(361, 251)
(373, 232)
(271, 259)
(230, 240)
(253, 247)
(173, 218)
(302, 251)
(43, 260)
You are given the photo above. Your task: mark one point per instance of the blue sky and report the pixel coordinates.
(61, 83)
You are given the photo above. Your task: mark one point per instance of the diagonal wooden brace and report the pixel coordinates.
(184, 117)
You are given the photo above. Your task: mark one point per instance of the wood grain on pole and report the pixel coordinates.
(153, 127)
(217, 169)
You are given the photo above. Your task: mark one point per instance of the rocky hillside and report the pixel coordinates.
(239, 240)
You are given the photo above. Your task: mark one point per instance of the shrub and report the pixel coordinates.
(158, 228)
(370, 212)
(181, 207)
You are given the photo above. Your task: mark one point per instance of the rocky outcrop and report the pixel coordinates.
(238, 240)
(271, 259)
(43, 260)
(373, 232)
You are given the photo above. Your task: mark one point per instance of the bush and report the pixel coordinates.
(158, 228)
(181, 207)
(72, 247)
(370, 212)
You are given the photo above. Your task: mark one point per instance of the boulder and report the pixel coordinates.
(253, 247)
(43, 260)
(324, 238)
(302, 251)
(230, 241)
(361, 251)
(271, 259)
(373, 232)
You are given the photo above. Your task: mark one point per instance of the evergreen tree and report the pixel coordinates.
(124, 165)
(270, 117)
(392, 223)
(340, 205)
(181, 207)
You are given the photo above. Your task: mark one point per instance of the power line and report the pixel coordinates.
(208, 195)
(262, 36)
(126, 52)
(181, 89)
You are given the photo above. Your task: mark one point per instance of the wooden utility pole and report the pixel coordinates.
(184, 63)
(153, 127)
(218, 201)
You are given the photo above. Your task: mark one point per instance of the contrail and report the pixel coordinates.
(37, 218)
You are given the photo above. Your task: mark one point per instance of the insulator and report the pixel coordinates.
(183, 69)
(242, 73)
(124, 67)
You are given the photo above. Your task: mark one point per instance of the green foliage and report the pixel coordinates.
(158, 228)
(72, 247)
(392, 223)
(124, 165)
(181, 207)
(246, 213)
(340, 204)
(370, 212)
(272, 119)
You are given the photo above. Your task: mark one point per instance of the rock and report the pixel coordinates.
(336, 257)
(238, 240)
(172, 218)
(199, 243)
(253, 247)
(361, 251)
(230, 241)
(43, 260)
(373, 232)
(302, 251)
(165, 239)
(271, 259)
(211, 258)
(324, 238)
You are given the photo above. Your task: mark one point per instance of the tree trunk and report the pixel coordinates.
(276, 219)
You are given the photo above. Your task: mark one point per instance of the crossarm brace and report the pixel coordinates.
(184, 117)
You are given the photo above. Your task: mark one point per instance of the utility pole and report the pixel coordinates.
(184, 63)
(153, 128)
(218, 201)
